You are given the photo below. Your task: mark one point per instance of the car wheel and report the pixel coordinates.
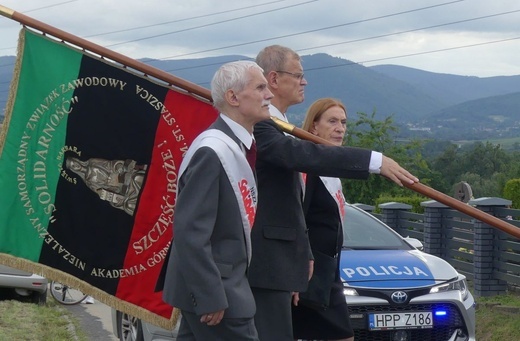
(130, 328)
(39, 298)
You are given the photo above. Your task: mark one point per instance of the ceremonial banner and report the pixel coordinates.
(88, 173)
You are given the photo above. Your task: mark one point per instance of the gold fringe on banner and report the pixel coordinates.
(100, 295)
(13, 88)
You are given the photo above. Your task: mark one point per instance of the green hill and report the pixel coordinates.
(488, 118)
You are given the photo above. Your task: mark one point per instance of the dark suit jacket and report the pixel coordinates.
(281, 253)
(324, 226)
(207, 267)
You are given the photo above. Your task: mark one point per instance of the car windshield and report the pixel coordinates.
(362, 231)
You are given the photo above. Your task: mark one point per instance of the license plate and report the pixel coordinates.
(410, 320)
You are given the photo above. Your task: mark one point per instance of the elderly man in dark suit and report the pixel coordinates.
(282, 262)
(216, 203)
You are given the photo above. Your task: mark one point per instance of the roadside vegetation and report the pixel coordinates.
(24, 321)
(497, 317)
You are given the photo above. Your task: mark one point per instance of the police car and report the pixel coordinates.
(394, 291)
(397, 292)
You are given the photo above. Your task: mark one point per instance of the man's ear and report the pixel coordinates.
(231, 98)
(272, 79)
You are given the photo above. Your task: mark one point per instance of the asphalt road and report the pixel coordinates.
(96, 320)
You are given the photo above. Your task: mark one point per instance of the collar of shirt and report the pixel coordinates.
(276, 113)
(239, 131)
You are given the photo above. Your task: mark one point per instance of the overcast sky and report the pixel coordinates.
(468, 37)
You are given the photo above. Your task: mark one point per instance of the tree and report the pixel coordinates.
(484, 166)
(446, 169)
(483, 186)
(484, 159)
(367, 132)
(512, 192)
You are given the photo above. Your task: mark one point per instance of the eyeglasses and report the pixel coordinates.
(299, 76)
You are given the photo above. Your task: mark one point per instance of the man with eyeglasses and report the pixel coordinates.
(282, 262)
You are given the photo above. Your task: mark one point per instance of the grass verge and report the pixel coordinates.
(498, 317)
(28, 321)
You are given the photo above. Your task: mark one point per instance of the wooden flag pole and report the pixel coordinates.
(107, 53)
(418, 187)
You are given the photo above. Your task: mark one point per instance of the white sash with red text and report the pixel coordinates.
(333, 186)
(238, 171)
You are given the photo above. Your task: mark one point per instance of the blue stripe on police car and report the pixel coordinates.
(385, 268)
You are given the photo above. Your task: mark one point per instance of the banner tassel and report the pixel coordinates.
(12, 90)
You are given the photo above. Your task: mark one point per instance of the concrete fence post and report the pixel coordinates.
(486, 250)
(433, 228)
(390, 214)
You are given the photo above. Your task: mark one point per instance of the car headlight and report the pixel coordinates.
(459, 284)
(349, 292)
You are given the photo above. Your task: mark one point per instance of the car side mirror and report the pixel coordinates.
(416, 243)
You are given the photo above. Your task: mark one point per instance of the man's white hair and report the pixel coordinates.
(230, 76)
